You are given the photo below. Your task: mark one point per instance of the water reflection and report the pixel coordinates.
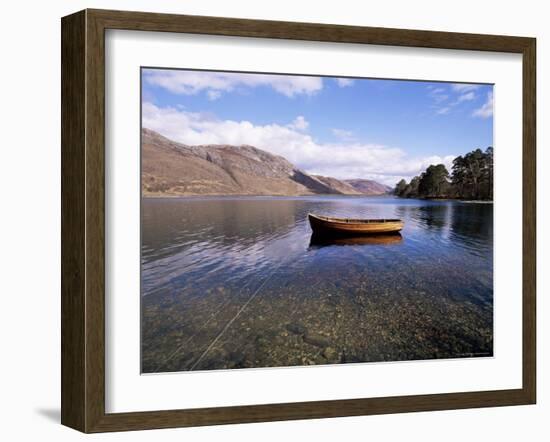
(324, 241)
(240, 282)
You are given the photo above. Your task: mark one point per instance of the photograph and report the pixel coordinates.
(303, 220)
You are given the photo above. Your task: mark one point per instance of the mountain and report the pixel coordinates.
(369, 187)
(172, 169)
(338, 185)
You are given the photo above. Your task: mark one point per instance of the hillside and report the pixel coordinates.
(172, 169)
(368, 187)
(338, 185)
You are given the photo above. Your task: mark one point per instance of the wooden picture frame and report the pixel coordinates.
(83, 220)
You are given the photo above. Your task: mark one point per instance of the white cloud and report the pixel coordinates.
(346, 135)
(299, 123)
(216, 83)
(440, 98)
(213, 94)
(438, 94)
(460, 92)
(340, 160)
(344, 82)
(468, 96)
(486, 110)
(386, 167)
(464, 87)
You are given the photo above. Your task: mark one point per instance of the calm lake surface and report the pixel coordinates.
(238, 282)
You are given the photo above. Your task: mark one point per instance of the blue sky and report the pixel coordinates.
(346, 128)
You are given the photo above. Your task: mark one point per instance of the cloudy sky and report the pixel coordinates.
(340, 127)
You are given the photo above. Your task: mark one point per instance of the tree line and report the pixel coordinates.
(471, 178)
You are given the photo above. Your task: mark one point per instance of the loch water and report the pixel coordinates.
(238, 282)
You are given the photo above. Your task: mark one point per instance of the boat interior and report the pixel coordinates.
(354, 220)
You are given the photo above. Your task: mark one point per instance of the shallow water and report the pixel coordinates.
(238, 282)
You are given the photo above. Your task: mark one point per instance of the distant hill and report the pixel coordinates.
(369, 187)
(338, 185)
(172, 169)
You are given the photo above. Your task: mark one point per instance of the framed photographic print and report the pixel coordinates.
(269, 220)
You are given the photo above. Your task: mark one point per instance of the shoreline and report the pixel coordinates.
(477, 201)
(314, 195)
(460, 200)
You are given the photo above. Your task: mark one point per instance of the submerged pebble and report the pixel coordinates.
(297, 329)
(315, 339)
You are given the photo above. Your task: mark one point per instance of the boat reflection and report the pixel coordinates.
(317, 241)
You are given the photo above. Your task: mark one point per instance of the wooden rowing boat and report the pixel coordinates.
(325, 225)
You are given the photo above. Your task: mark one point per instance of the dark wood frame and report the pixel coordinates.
(83, 217)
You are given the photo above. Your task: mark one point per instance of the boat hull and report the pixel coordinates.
(350, 227)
